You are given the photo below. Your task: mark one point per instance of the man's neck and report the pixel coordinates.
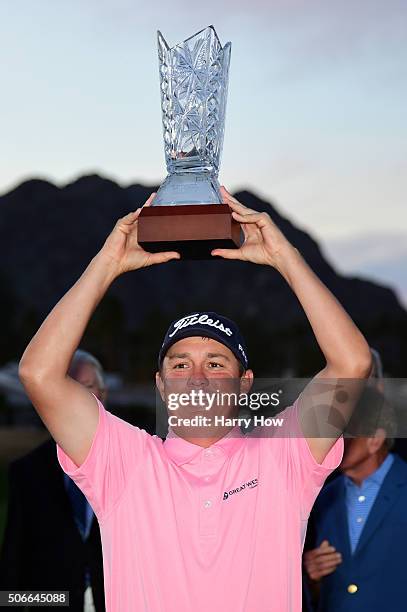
(366, 468)
(206, 441)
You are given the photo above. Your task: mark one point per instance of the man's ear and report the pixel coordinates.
(160, 385)
(246, 381)
(376, 442)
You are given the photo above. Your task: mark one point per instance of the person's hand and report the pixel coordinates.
(122, 247)
(321, 561)
(263, 242)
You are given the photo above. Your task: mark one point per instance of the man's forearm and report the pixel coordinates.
(50, 351)
(343, 345)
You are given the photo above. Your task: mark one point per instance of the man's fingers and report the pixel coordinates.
(328, 563)
(316, 571)
(227, 253)
(241, 210)
(137, 213)
(235, 204)
(157, 258)
(134, 214)
(326, 572)
(229, 196)
(325, 551)
(327, 555)
(317, 574)
(129, 218)
(258, 218)
(331, 560)
(150, 199)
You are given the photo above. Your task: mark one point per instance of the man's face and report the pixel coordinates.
(85, 374)
(201, 368)
(361, 449)
(356, 451)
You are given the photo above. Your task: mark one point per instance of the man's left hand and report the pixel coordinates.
(263, 242)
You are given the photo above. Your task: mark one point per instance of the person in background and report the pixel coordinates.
(359, 519)
(52, 540)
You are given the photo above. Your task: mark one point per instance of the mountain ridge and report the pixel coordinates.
(49, 235)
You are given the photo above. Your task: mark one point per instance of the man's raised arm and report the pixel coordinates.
(68, 409)
(347, 354)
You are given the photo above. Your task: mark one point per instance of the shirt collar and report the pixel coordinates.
(378, 475)
(181, 451)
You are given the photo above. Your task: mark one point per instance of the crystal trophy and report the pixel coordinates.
(187, 214)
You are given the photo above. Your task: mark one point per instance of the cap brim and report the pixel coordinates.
(191, 333)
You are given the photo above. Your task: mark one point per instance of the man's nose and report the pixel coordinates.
(197, 377)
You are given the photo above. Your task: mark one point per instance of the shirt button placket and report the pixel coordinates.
(207, 507)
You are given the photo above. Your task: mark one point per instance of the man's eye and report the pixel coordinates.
(180, 366)
(215, 364)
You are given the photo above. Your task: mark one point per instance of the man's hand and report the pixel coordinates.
(321, 561)
(122, 247)
(263, 241)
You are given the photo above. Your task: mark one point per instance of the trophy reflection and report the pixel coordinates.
(187, 214)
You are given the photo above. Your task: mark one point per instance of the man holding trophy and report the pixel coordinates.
(173, 538)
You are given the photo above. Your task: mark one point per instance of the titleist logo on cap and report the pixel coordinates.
(197, 319)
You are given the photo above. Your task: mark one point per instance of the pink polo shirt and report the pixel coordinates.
(188, 529)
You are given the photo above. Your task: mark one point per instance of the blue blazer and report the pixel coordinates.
(378, 567)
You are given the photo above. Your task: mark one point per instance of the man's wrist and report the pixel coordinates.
(287, 258)
(110, 266)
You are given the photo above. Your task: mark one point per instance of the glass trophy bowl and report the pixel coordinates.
(187, 213)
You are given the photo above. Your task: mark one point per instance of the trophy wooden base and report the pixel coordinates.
(191, 229)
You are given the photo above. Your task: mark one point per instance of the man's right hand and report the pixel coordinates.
(321, 561)
(122, 246)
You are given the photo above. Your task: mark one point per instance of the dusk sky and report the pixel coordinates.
(316, 117)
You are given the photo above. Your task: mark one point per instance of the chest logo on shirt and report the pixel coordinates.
(250, 484)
